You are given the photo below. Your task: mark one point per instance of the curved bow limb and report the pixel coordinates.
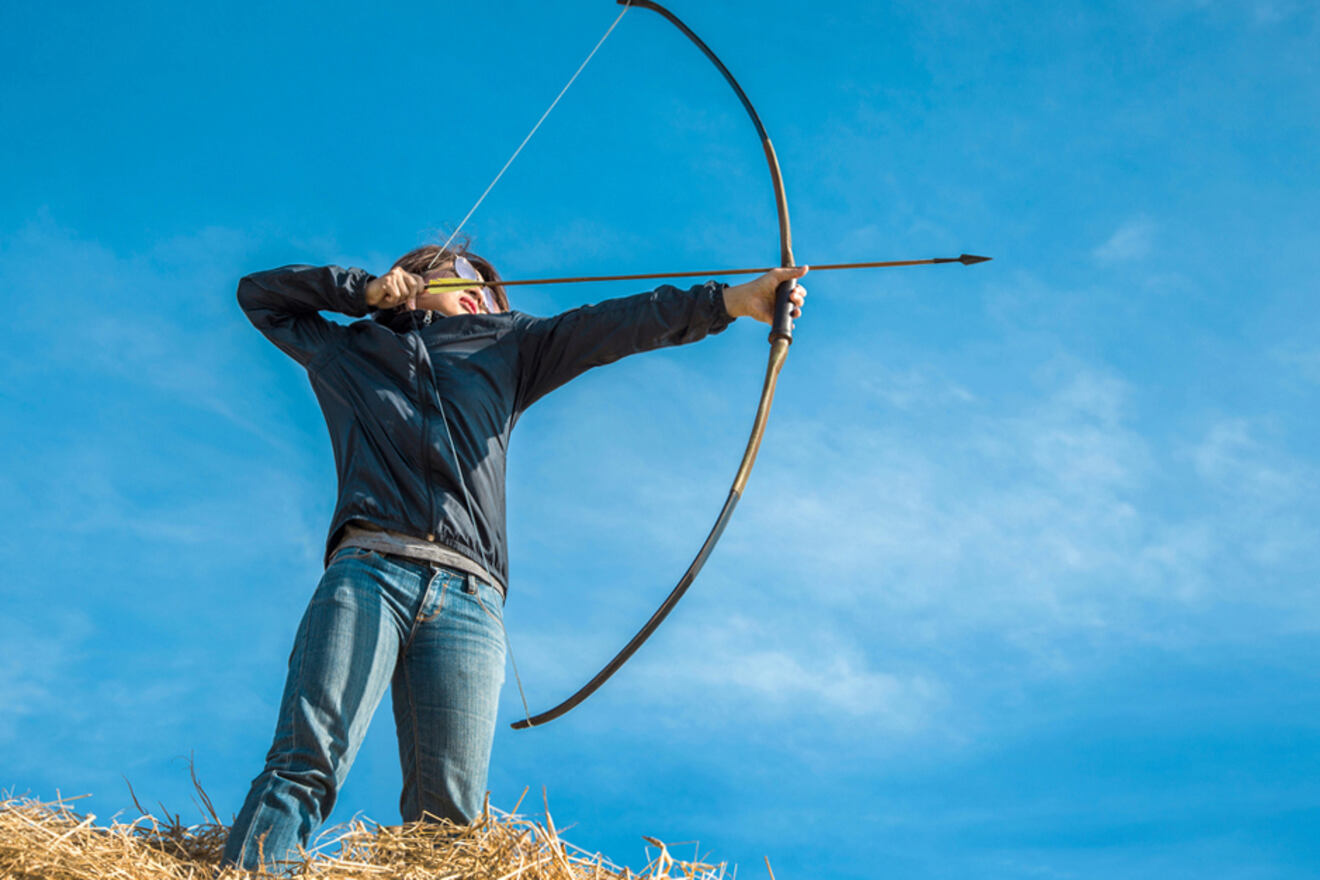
(781, 336)
(783, 324)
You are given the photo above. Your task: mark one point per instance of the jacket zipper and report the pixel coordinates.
(424, 458)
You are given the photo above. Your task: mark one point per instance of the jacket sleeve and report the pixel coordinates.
(284, 305)
(557, 349)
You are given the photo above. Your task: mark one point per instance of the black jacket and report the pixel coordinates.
(381, 391)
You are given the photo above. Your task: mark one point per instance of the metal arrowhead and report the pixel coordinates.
(969, 259)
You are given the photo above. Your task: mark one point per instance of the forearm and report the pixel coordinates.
(555, 350)
(298, 290)
(284, 304)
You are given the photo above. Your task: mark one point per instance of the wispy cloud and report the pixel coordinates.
(164, 320)
(35, 664)
(1132, 241)
(1263, 496)
(1049, 525)
(908, 388)
(139, 386)
(1040, 531)
(1024, 497)
(748, 666)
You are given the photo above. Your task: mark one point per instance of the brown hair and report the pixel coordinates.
(427, 256)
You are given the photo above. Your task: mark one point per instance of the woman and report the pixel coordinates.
(420, 402)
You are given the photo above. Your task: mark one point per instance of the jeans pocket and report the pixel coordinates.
(492, 598)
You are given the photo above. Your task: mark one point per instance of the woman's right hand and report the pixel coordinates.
(394, 288)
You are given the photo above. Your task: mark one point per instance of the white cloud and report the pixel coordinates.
(35, 662)
(1041, 526)
(909, 388)
(770, 667)
(1024, 496)
(1264, 498)
(1132, 241)
(1229, 456)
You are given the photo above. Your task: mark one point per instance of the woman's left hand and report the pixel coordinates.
(756, 299)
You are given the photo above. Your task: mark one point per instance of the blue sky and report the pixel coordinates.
(1025, 583)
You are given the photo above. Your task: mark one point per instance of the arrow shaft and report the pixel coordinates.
(709, 273)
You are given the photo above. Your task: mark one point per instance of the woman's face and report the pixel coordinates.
(450, 301)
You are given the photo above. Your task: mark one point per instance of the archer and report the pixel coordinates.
(420, 397)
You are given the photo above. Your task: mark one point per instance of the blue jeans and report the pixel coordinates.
(435, 636)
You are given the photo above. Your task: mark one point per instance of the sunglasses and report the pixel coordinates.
(464, 274)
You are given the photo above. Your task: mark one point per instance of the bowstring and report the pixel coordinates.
(444, 418)
(481, 546)
(468, 216)
(472, 515)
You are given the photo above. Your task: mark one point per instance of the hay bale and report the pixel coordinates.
(51, 841)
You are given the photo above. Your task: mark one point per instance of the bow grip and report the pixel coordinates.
(783, 325)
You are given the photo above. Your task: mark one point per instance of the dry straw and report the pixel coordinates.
(51, 841)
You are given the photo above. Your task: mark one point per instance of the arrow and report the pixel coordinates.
(965, 259)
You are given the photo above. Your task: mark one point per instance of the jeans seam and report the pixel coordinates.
(416, 741)
(417, 622)
(284, 764)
